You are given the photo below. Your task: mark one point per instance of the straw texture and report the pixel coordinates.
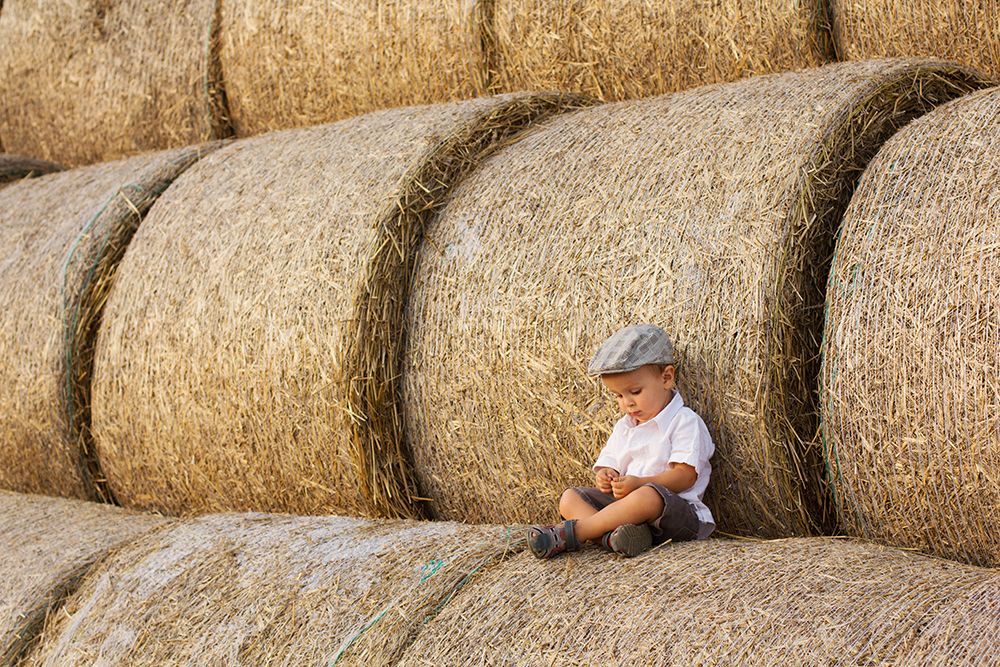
(911, 396)
(966, 31)
(93, 80)
(624, 49)
(718, 602)
(709, 213)
(291, 64)
(46, 545)
(61, 237)
(250, 350)
(277, 590)
(16, 167)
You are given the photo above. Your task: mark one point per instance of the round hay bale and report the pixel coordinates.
(46, 545)
(805, 601)
(709, 212)
(910, 392)
(61, 237)
(17, 168)
(292, 64)
(258, 589)
(249, 355)
(966, 31)
(94, 80)
(625, 49)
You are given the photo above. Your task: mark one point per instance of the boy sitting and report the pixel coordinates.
(654, 469)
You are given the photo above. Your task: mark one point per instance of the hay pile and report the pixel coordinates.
(624, 49)
(94, 80)
(800, 601)
(249, 354)
(304, 62)
(911, 396)
(258, 589)
(710, 212)
(16, 168)
(966, 31)
(46, 545)
(61, 237)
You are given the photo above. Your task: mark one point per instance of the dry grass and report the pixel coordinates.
(249, 354)
(710, 213)
(799, 601)
(16, 168)
(46, 545)
(61, 237)
(625, 49)
(291, 64)
(966, 31)
(911, 396)
(93, 80)
(258, 589)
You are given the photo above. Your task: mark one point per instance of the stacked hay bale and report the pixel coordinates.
(620, 49)
(46, 545)
(249, 353)
(17, 167)
(291, 64)
(61, 237)
(257, 589)
(710, 212)
(911, 400)
(806, 601)
(94, 80)
(966, 31)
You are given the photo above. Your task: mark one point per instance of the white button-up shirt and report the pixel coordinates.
(675, 435)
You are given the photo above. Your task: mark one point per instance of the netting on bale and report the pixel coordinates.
(16, 168)
(966, 31)
(811, 601)
(258, 589)
(709, 212)
(46, 545)
(61, 237)
(249, 355)
(910, 390)
(626, 49)
(291, 64)
(94, 80)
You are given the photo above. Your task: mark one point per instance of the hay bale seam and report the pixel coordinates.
(291, 64)
(97, 80)
(709, 212)
(16, 167)
(258, 589)
(911, 345)
(965, 31)
(809, 601)
(46, 545)
(624, 49)
(61, 237)
(249, 354)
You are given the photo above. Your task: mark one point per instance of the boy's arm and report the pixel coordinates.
(678, 477)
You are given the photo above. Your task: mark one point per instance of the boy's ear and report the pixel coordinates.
(669, 374)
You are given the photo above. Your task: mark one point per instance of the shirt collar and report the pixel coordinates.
(664, 416)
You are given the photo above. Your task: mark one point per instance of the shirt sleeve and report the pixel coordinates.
(609, 456)
(686, 444)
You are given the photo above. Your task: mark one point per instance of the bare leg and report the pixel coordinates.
(642, 505)
(573, 506)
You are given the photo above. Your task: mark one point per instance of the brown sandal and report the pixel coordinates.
(547, 541)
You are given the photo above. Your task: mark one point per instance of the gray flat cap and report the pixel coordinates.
(631, 348)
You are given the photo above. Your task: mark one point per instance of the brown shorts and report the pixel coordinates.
(677, 522)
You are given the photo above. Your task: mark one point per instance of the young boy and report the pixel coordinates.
(653, 471)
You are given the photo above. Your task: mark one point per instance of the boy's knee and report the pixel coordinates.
(648, 497)
(568, 500)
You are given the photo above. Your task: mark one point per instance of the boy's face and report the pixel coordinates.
(642, 393)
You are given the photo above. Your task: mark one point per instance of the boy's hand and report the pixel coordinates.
(622, 486)
(604, 478)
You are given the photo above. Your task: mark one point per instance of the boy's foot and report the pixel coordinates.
(628, 540)
(547, 541)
